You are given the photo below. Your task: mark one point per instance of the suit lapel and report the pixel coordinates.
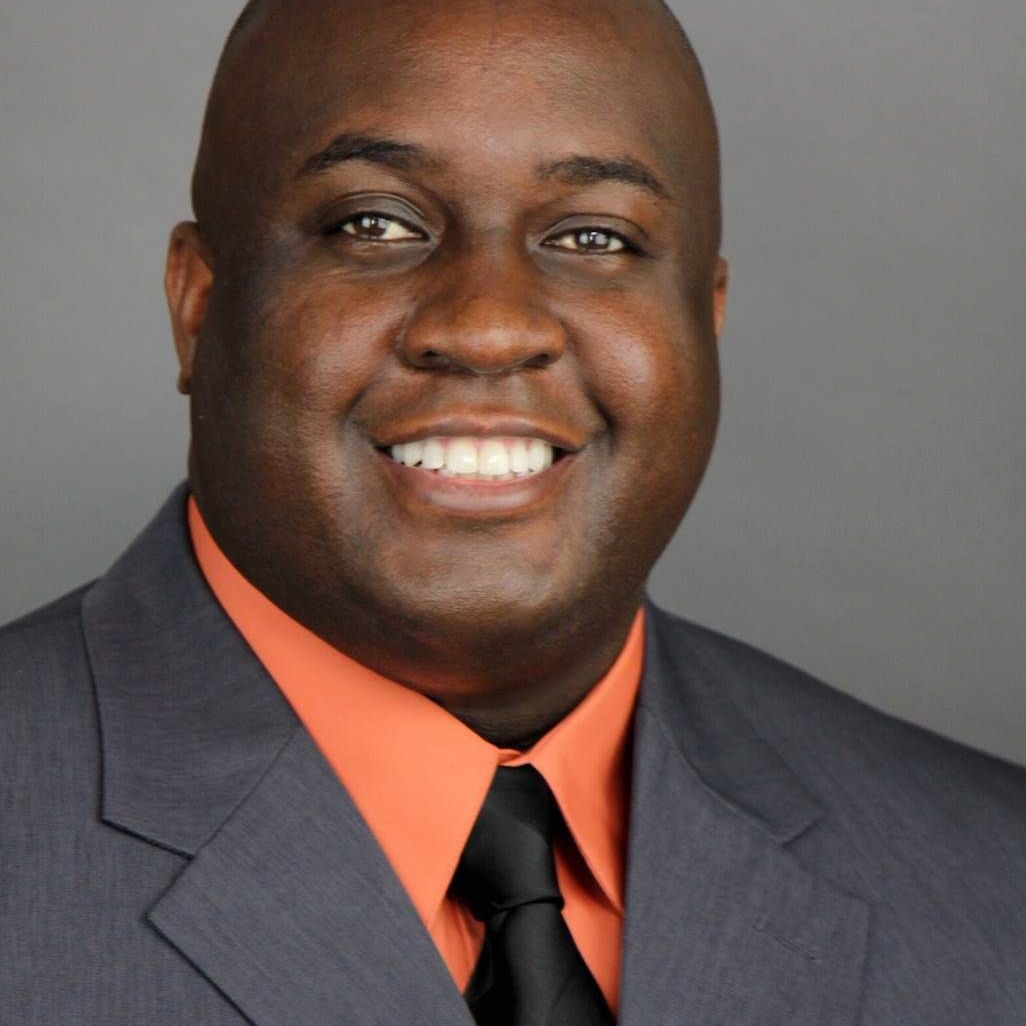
(285, 903)
(724, 926)
(293, 912)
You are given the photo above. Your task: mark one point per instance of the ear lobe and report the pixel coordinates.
(188, 279)
(721, 286)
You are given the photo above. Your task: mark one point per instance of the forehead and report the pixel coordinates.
(491, 78)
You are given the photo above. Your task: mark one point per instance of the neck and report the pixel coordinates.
(509, 691)
(519, 720)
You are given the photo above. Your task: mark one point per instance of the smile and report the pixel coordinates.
(477, 458)
(488, 475)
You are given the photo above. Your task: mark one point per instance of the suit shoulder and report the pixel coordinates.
(929, 830)
(821, 726)
(42, 651)
(750, 673)
(67, 607)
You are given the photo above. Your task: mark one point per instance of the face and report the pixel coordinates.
(449, 325)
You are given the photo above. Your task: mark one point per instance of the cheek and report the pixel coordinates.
(282, 367)
(318, 346)
(656, 377)
(657, 381)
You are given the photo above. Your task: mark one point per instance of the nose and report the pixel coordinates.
(486, 319)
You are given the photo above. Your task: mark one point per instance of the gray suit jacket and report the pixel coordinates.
(174, 849)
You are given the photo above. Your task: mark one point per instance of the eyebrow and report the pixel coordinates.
(578, 169)
(584, 170)
(348, 146)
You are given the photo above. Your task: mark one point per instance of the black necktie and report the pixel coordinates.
(530, 972)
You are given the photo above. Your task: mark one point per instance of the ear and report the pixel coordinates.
(188, 278)
(721, 284)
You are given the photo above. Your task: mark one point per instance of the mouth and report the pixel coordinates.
(485, 473)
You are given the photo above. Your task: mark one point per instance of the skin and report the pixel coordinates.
(307, 341)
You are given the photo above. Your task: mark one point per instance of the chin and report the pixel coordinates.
(484, 610)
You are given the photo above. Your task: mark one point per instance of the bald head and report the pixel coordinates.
(246, 15)
(253, 7)
(283, 60)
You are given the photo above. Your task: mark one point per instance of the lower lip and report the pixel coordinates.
(473, 495)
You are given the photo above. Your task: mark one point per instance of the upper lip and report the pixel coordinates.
(480, 426)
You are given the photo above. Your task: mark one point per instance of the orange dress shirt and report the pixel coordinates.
(419, 781)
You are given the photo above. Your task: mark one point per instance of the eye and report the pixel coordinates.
(589, 240)
(373, 227)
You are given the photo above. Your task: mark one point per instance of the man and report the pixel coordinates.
(447, 320)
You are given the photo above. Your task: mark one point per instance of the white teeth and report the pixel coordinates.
(461, 456)
(539, 455)
(518, 462)
(493, 458)
(413, 454)
(434, 455)
(483, 458)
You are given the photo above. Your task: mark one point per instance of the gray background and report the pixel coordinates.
(863, 516)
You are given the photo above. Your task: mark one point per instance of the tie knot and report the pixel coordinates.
(507, 861)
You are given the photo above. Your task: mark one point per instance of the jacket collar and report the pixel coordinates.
(710, 732)
(724, 923)
(189, 719)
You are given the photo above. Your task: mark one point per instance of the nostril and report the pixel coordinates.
(430, 358)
